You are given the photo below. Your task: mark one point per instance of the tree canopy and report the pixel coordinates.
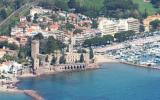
(96, 41)
(50, 44)
(81, 58)
(123, 36)
(38, 36)
(156, 3)
(8, 45)
(155, 25)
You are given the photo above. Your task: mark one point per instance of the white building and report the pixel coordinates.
(16, 30)
(112, 26)
(78, 39)
(122, 25)
(133, 24)
(10, 67)
(107, 27)
(39, 10)
(75, 57)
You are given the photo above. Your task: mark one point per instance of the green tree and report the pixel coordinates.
(18, 4)
(72, 4)
(62, 59)
(7, 57)
(94, 24)
(156, 3)
(35, 18)
(38, 36)
(155, 24)
(91, 55)
(145, 14)
(53, 62)
(81, 51)
(69, 26)
(123, 36)
(108, 39)
(50, 45)
(77, 31)
(3, 14)
(9, 45)
(61, 4)
(28, 18)
(141, 28)
(81, 58)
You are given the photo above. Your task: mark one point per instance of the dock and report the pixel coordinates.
(33, 94)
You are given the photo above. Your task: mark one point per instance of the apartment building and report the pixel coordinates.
(112, 26)
(107, 27)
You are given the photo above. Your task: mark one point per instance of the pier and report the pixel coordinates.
(33, 94)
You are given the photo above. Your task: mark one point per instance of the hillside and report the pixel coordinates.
(143, 5)
(93, 4)
(98, 4)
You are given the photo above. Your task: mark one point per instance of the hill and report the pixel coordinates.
(93, 4)
(144, 5)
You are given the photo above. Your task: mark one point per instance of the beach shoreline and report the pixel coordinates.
(100, 59)
(108, 59)
(33, 93)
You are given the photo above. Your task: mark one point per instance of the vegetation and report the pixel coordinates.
(35, 18)
(156, 3)
(143, 6)
(3, 14)
(39, 36)
(62, 59)
(48, 46)
(109, 8)
(107, 39)
(7, 57)
(63, 4)
(77, 31)
(8, 45)
(81, 58)
(120, 9)
(9, 6)
(155, 25)
(69, 26)
(141, 28)
(25, 51)
(91, 55)
(94, 24)
(53, 60)
(81, 51)
(123, 36)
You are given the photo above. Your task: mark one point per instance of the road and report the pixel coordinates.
(28, 5)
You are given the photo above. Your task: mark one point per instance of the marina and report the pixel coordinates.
(146, 54)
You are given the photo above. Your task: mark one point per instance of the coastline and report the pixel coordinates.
(33, 93)
(100, 59)
(108, 59)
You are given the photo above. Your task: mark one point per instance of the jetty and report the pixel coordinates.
(33, 94)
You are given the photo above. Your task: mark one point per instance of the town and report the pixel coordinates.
(50, 40)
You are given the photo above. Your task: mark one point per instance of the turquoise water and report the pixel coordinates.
(113, 82)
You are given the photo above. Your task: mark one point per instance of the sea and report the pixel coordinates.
(114, 81)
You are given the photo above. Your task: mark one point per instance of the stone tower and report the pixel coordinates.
(35, 53)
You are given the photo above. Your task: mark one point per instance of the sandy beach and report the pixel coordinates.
(105, 59)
